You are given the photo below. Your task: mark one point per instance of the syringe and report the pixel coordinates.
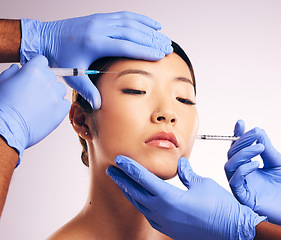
(75, 71)
(217, 137)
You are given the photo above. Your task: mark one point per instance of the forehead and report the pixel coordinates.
(170, 66)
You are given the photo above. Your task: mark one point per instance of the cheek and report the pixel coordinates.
(189, 125)
(118, 126)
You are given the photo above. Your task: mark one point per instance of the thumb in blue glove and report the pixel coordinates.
(258, 188)
(78, 42)
(32, 103)
(204, 211)
(8, 73)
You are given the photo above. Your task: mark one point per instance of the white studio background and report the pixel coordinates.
(235, 47)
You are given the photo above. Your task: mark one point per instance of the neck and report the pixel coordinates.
(108, 213)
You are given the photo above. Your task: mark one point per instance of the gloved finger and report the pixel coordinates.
(271, 157)
(141, 175)
(186, 174)
(38, 66)
(39, 61)
(237, 182)
(242, 157)
(66, 106)
(154, 224)
(120, 48)
(61, 112)
(244, 141)
(135, 16)
(63, 108)
(84, 86)
(239, 128)
(60, 108)
(150, 38)
(141, 208)
(114, 173)
(61, 89)
(9, 72)
(128, 25)
(139, 196)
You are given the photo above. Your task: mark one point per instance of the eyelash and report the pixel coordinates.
(185, 101)
(139, 92)
(133, 91)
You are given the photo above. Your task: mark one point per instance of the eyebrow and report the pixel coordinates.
(145, 73)
(133, 71)
(184, 79)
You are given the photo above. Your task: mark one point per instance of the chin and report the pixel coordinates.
(162, 166)
(166, 176)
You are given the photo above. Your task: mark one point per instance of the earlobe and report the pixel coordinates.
(77, 118)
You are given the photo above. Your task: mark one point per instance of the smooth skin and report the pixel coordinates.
(10, 39)
(138, 120)
(8, 160)
(107, 212)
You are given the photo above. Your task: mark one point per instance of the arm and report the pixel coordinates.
(10, 39)
(8, 160)
(268, 231)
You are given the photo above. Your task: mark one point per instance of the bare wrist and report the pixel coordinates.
(10, 40)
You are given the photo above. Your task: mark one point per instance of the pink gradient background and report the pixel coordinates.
(235, 49)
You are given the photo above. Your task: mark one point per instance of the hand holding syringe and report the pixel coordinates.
(75, 71)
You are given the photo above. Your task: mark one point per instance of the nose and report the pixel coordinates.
(164, 116)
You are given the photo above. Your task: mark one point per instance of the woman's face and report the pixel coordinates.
(147, 114)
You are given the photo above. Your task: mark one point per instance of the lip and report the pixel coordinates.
(163, 139)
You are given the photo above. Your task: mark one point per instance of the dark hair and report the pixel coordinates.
(103, 64)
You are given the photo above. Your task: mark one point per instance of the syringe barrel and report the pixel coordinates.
(217, 137)
(68, 71)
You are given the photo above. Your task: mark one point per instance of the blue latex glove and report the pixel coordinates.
(80, 41)
(258, 188)
(205, 211)
(32, 103)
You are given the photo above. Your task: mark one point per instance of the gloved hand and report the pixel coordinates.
(78, 42)
(258, 188)
(32, 103)
(205, 211)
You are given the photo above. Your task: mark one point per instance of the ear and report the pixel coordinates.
(77, 117)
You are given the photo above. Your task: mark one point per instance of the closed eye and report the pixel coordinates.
(185, 101)
(133, 91)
